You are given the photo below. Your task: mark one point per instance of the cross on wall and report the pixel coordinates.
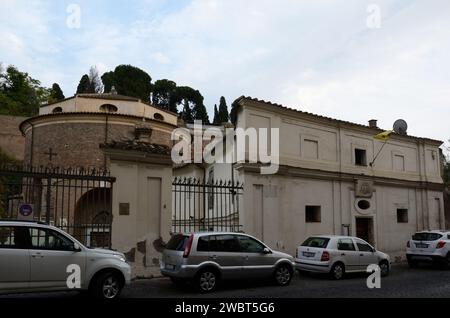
(50, 154)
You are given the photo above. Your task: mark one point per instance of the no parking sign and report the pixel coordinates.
(25, 212)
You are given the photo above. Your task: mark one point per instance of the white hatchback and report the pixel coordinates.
(338, 255)
(35, 257)
(429, 246)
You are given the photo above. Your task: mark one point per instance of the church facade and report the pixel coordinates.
(328, 183)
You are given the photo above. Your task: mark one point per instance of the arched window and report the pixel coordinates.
(158, 116)
(108, 108)
(57, 110)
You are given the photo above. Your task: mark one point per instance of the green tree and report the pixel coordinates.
(130, 81)
(223, 115)
(56, 93)
(6, 191)
(84, 86)
(90, 84)
(216, 115)
(164, 95)
(233, 112)
(192, 104)
(20, 94)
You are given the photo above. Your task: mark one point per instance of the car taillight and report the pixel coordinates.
(440, 244)
(325, 256)
(408, 244)
(187, 248)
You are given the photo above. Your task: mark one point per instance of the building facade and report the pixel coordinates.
(104, 132)
(327, 183)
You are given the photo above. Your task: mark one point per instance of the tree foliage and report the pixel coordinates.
(191, 102)
(56, 94)
(216, 116)
(223, 116)
(90, 84)
(20, 94)
(233, 112)
(130, 81)
(165, 95)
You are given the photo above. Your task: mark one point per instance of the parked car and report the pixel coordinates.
(36, 257)
(429, 246)
(338, 255)
(206, 258)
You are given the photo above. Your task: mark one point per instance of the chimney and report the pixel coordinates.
(373, 123)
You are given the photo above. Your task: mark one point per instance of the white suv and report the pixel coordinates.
(338, 255)
(36, 257)
(429, 246)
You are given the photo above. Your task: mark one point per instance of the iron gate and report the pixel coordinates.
(78, 201)
(205, 206)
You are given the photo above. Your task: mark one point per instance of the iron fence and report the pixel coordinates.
(77, 200)
(205, 206)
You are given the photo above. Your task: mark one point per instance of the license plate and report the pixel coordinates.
(308, 254)
(170, 267)
(421, 245)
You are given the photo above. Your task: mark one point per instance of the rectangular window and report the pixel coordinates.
(346, 245)
(402, 215)
(399, 163)
(223, 243)
(360, 157)
(312, 214)
(310, 149)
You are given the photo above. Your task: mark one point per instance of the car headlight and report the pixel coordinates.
(121, 258)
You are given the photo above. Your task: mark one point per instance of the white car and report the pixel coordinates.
(338, 255)
(429, 246)
(35, 257)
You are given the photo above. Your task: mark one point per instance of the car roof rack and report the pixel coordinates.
(24, 221)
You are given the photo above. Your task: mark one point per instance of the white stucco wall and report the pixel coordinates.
(149, 216)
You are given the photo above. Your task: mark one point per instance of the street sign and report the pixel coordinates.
(26, 212)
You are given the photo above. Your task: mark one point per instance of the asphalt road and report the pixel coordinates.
(425, 281)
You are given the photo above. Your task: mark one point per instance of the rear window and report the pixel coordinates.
(426, 236)
(177, 242)
(319, 242)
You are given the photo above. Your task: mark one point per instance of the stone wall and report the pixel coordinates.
(76, 144)
(11, 140)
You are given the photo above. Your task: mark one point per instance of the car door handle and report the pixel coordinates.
(361, 254)
(213, 256)
(37, 255)
(245, 258)
(343, 254)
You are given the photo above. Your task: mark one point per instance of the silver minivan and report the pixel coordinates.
(206, 258)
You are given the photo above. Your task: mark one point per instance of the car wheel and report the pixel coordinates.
(108, 286)
(337, 271)
(384, 268)
(283, 275)
(207, 280)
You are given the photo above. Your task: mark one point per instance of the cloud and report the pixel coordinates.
(318, 56)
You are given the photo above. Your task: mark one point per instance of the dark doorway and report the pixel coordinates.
(364, 229)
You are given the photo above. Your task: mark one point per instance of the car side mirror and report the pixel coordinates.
(266, 251)
(76, 247)
(373, 250)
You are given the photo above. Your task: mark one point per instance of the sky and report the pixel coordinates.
(348, 59)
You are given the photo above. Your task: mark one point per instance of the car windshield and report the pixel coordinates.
(426, 236)
(319, 242)
(177, 242)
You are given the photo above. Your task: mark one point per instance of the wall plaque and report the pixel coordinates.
(124, 208)
(364, 189)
